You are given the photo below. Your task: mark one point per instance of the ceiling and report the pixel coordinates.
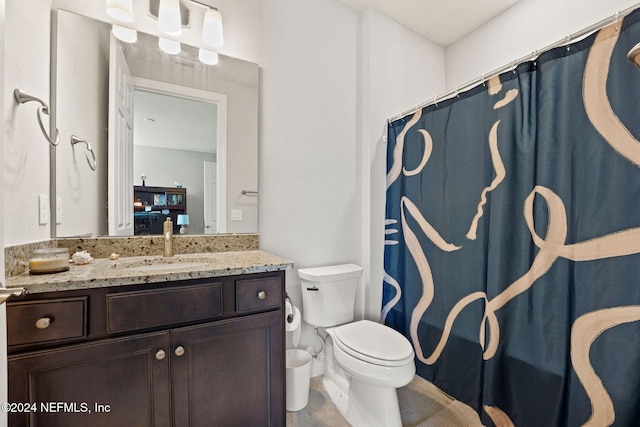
(441, 21)
(167, 121)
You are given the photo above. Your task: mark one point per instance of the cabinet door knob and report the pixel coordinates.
(43, 322)
(160, 354)
(262, 295)
(179, 350)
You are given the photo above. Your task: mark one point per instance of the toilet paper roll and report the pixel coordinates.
(292, 319)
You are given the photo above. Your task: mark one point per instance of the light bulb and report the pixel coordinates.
(171, 47)
(208, 57)
(169, 21)
(212, 28)
(120, 10)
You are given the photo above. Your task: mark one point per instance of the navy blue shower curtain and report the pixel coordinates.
(512, 252)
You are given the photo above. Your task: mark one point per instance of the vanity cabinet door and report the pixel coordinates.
(116, 382)
(229, 373)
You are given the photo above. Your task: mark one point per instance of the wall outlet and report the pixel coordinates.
(43, 209)
(236, 215)
(58, 210)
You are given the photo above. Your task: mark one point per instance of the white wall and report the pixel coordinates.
(26, 152)
(310, 186)
(23, 150)
(400, 70)
(528, 26)
(329, 84)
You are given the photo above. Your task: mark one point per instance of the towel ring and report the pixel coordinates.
(22, 97)
(89, 150)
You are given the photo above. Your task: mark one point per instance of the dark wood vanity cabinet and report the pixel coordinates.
(228, 379)
(103, 383)
(193, 353)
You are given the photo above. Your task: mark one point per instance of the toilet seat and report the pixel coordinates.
(374, 343)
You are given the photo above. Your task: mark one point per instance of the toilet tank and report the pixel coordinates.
(329, 294)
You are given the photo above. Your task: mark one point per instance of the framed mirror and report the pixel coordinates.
(193, 127)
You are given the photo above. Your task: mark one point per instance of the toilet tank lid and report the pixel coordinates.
(330, 272)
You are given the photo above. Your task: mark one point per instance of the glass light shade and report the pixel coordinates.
(212, 28)
(120, 10)
(183, 219)
(127, 35)
(169, 21)
(208, 57)
(171, 47)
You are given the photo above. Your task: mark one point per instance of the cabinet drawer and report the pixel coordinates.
(258, 294)
(129, 311)
(48, 320)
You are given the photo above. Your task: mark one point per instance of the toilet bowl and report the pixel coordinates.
(364, 361)
(376, 360)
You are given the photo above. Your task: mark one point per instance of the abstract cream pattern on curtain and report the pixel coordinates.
(505, 294)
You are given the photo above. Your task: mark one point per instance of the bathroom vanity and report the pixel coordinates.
(142, 343)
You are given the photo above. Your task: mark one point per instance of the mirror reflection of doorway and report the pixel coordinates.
(210, 198)
(173, 135)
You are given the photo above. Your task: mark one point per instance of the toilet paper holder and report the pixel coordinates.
(290, 315)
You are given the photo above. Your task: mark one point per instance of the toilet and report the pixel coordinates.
(365, 361)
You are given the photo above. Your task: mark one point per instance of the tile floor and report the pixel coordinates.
(419, 401)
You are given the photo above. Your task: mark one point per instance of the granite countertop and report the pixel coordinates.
(102, 272)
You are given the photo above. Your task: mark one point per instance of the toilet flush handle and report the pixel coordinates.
(313, 289)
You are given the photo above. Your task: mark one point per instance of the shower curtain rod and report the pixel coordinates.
(471, 84)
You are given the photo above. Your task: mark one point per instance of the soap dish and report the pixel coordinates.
(49, 260)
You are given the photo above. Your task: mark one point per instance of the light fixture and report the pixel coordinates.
(173, 15)
(207, 56)
(169, 20)
(169, 46)
(183, 221)
(120, 10)
(212, 28)
(127, 35)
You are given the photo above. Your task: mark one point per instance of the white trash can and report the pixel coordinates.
(298, 377)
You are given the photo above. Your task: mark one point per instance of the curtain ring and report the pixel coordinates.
(568, 42)
(484, 80)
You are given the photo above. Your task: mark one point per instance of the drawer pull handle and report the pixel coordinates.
(262, 295)
(179, 350)
(43, 322)
(160, 354)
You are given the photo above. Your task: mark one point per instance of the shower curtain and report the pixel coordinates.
(512, 251)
